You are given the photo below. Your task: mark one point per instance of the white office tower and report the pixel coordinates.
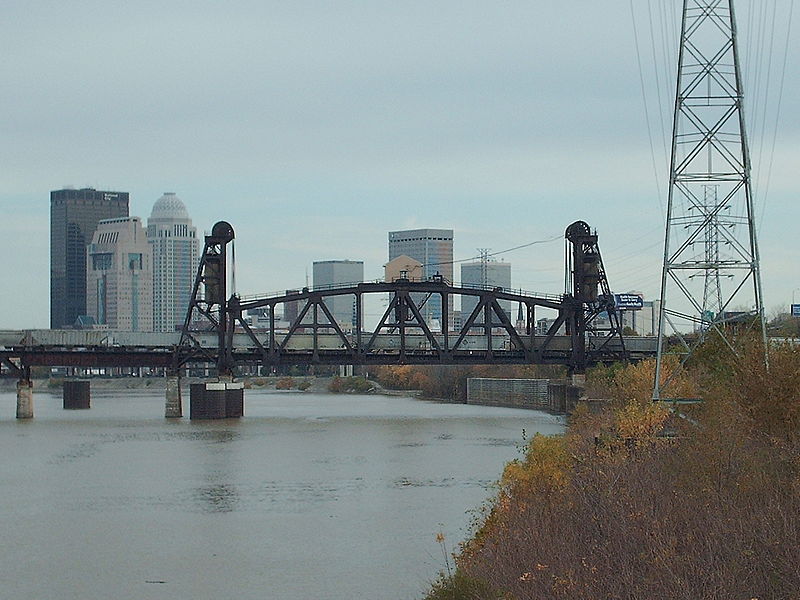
(485, 274)
(119, 280)
(175, 246)
(339, 273)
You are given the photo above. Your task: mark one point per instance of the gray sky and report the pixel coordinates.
(316, 127)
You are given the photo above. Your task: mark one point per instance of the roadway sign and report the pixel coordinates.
(628, 301)
(796, 310)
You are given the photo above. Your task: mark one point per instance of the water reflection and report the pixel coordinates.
(218, 494)
(217, 498)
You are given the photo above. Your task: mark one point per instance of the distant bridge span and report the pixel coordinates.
(217, 332)
(22, 349)
(578, 337)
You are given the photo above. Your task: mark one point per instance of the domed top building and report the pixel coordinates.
(168, 207)
(175, 246)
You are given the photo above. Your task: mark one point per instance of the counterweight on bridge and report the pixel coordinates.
(595, 322)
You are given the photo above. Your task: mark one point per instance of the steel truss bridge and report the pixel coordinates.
(587, 328)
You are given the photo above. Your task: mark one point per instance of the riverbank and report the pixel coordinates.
(640, 501)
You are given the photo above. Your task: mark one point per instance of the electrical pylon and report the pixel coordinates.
(710, 282)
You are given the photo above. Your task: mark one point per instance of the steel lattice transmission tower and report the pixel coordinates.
(710, 279)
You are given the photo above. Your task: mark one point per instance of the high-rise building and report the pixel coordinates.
(482, 274)
(334, 273)
(175, 246)
(119, 277)
(74, 215)
(643, 321)
(434, 249)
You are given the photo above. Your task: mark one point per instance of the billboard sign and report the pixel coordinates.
(796, 310)
(628, 301)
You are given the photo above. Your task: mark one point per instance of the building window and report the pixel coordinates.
(135, 261)
(102, 261)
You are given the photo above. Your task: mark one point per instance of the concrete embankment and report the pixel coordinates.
(553, 395)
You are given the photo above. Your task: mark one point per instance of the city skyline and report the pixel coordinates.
(316, 129)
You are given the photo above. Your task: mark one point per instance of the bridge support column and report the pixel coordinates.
(234, 400)
(218, 399)
(77, 395)
(173, 408)
(24, 399)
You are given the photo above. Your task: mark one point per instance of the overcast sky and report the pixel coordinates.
(314, 128)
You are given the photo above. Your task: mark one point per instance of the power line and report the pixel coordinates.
(474, 258)
(646, 111)
(777, 115)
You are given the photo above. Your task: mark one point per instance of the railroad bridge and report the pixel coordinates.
(586, 330)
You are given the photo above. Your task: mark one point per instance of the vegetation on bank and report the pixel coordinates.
(351, 385)
(450, 382)
(636, 501)
(289, 383)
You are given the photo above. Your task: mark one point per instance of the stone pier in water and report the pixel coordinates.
(216, 400)
(77, 394)
(24, 399)
(174, 403)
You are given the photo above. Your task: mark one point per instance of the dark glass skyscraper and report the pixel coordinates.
(74, 215)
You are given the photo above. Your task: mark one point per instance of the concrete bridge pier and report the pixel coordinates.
(77, 394)
(222, 398)
(24, 399)
(174, 403)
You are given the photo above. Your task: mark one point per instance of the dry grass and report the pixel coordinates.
(613, 510)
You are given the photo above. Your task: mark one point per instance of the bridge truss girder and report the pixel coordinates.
(577, 311)
(403, 318)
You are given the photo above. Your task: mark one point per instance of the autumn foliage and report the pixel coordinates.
(450, 382)
(639, 500)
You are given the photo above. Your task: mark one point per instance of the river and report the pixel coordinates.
(309, 496)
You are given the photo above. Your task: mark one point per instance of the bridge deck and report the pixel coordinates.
(95, 348)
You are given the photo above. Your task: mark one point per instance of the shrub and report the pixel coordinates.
(460, 586)
(284, 383)
(350, 385)
(613, 509)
